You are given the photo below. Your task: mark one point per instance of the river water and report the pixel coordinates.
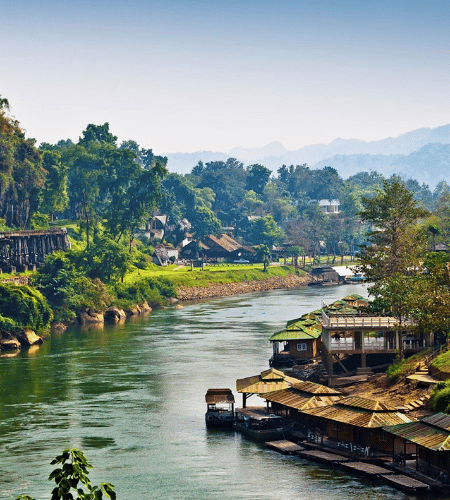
(132, 398)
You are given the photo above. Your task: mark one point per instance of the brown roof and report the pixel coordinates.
(366, 404)
(441, 420)
(225, 241)
(314, 388)
(268, 381)
(219, 396)
(422, 434)
(293, 398)
(357, 416)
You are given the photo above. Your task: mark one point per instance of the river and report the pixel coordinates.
(132, 398)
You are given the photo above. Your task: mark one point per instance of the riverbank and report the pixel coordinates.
(186, 293)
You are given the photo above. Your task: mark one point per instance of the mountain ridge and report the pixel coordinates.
(339, 154)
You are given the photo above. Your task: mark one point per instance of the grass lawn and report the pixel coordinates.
(222, 273)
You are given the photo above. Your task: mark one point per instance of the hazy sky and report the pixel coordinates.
(210, 75)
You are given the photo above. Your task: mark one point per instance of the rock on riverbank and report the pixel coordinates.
(224, 289)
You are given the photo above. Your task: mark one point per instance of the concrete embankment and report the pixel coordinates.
(224, 289)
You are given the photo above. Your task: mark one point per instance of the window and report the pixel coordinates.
(301, 347)
(383, 436)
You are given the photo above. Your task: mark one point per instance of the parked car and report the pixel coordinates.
(241, 261)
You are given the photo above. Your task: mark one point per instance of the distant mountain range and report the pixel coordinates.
(422, 154)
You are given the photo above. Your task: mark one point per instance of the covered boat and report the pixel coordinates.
(219, 408)
(258, 424)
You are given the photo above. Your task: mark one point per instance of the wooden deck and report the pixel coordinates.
(284, 446)
(405, 483)
(323, 456)
(367, 468)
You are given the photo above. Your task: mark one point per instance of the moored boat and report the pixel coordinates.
(219, 408)
(258, 424)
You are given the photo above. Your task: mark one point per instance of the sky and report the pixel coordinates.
(184, 76)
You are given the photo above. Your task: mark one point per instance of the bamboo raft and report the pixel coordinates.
(284, 446)
(323, 456)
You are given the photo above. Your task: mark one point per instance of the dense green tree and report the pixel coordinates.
(295, 252)
(54, 196)
(265, 230)
(263, 255)
(21, 173)
(67, 288)
(392, 258)
(395, 245)
(257, 177)
(97, 134)
(204, 222)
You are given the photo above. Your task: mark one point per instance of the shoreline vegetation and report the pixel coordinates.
(180, 287)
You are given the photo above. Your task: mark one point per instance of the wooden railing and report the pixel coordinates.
(353, 322)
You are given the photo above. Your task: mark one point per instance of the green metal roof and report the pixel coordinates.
(305, 334)
(422, 434)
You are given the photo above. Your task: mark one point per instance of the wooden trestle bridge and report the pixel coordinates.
(26, 250)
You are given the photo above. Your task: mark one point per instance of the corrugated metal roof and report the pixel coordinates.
(263, 383)
(366, 404)
(272, 374)
(292, 398)
(357, 416)
(441, 420)
(422, 434)
(313, 388)
(309, 334)
(219, 396)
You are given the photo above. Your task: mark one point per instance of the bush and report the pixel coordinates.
(406, 366)
(153, 290)
(67, 289)
(23, 307)
(440, 397)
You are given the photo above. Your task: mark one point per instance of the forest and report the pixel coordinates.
(111, 189)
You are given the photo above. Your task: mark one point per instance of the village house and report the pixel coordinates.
(329, 206)
(353, 424)
(290, 402)
(163, 254)
(267, 381)
(430, 439)
(224, 247)
(217, 248)
(298, 342)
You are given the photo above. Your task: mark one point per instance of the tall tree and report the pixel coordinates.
(257, 178)
(21, 173)
(396, 245)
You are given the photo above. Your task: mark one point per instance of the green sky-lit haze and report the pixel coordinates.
(193, 75)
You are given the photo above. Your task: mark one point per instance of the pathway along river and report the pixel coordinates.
(132, 398)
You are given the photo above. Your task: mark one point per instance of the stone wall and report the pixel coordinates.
(224, 289)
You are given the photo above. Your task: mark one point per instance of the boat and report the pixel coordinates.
(260, 425)
(219, 408)
(356, 278)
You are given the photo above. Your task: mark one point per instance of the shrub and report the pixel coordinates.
(440, 397)
(23, 307)
(67, 289)
(154, 290)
